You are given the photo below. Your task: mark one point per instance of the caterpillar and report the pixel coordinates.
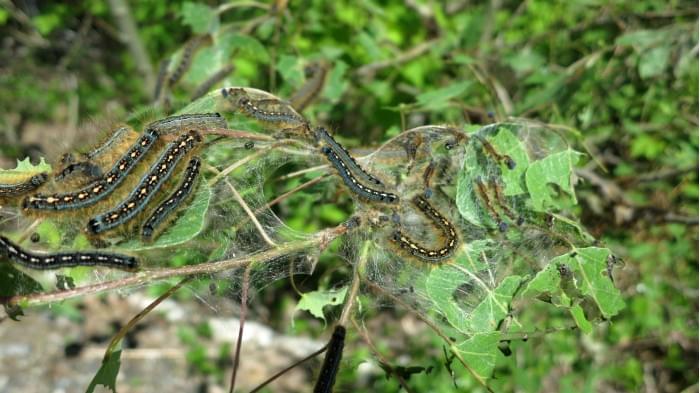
(86, 168)
(185, 60)
(159, 172)
(500, 199)
(254, 108)
(162, 73)
(482, 192)
(331, 362)
(98, 189)
(22, 187)
(116, 137)
(355, 185)
(217, 77)
(175, 124)
(323, 135)
(503, 158)
(65, 259)
(174, 200)
(448, 232)
(311, 88)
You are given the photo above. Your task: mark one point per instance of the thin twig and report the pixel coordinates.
(285, 370)
(138, 317)
(354, 285)
(241, 323)
(303, 172)
(399, 59)
(250, 214)
(130, 37)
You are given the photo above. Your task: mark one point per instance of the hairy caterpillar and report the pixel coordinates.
(159, 172)
(257, 109)
(323, 135)
(65, 259)
(504, 158)
(99, 189)
(174, 200)
(86, 168)
(200, 121)
(482, 192)
(331, 362)
(185, 60)
(312, 87)
(354, 185)
(217, 77)
(500, 199)
(162, 73)
(22, 186)
(117, 136)
(448, 230)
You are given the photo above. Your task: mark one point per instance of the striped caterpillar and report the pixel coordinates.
(23, 186)
(331, 362)
(137, 200)
(118, 135)
(451, 240)
(176, 124)
(217, 77)
(323, 135)
(99, 189)
(174, 200)
(352, 182)
(282, 115)
(65, 259)
(311, 88)
(86, 168)
(185, 60)
(482, 190)
(502, 158)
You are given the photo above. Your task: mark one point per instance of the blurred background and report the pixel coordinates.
(623, 74)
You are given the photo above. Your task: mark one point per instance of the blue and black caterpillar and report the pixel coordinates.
(65, 259)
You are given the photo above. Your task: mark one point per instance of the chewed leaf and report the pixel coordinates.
(480, 352)
(107, 374)
(187, 226)
(23, 170)
(14, 282)
(554, 169)
(494, 307)
(490, 301)
(588, 267)
(315, 301)
(507, 143)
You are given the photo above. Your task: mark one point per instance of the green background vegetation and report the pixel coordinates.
(624, 74)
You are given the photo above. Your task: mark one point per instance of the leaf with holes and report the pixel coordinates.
(554, 169)
(315, 301)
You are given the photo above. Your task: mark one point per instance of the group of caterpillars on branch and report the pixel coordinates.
(176, 138)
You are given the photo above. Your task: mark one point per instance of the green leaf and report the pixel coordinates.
(315, 301)
(554, 169)
(187, 226)
(437, 99)
(200, 17)
(480, 352)
(653, 62)
(107, 374)
(248, 46)
(589, 269)
(290, 69)
(14, 282)
(580, 319)
(337, 82)
(507, 143)
(23, 170)
(443, 288)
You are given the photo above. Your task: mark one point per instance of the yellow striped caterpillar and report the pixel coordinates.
(353, 183)
(174, 200)
(99, 189)
(448, 232)
(65, 259)
(179, 123)
(117, 136)
(137, 200)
